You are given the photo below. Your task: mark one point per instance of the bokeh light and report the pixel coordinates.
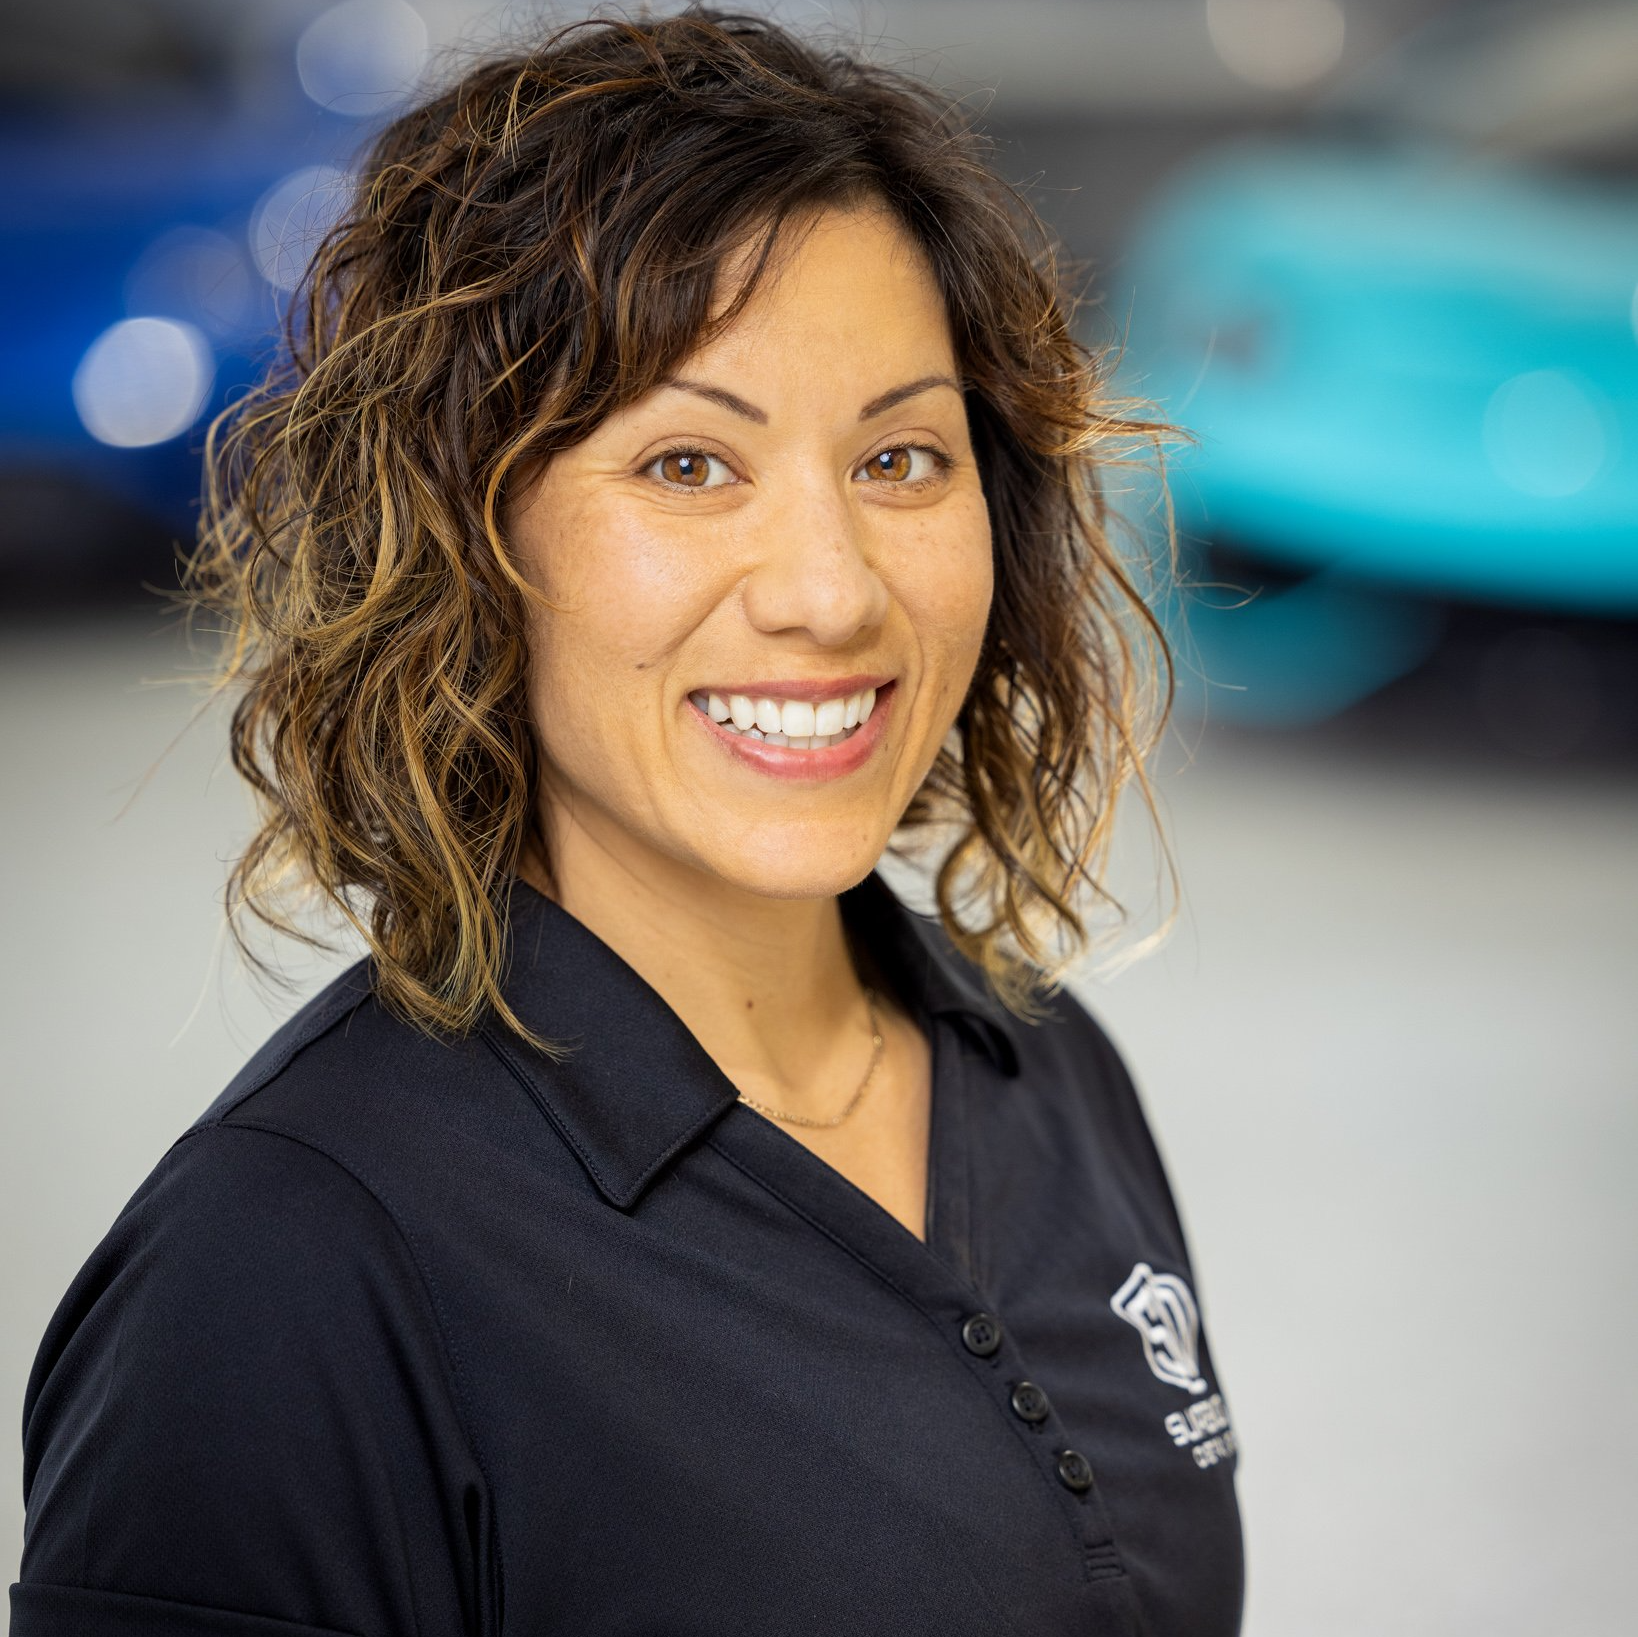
(1544, 434)
(1278, 44)
(363, 56)
(197, 274)
(291, 220)
(143, 381)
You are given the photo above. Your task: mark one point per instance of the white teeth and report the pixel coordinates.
(797, 722)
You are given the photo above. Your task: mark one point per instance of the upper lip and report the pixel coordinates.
(838, 687)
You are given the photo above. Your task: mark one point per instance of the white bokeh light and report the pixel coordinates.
(1544, 434)
(293, 216)
(363, 56)
(1280, 44)
(143, 381)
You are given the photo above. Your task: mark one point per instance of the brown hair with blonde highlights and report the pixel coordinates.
(527, 252)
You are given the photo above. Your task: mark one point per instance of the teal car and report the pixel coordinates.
(1413, 377)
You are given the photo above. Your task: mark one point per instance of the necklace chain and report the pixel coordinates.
(853, 1102)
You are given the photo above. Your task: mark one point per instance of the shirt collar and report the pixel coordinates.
(637, 1087)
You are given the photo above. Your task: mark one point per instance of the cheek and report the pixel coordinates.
(629, 595)
(946, 585)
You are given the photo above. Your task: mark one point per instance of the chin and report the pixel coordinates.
(798, 865)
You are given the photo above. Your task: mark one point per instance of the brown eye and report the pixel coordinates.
(906, 466)
(893, 464)
(687, 468)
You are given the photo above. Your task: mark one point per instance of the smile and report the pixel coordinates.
(798, 723)
(842, 734)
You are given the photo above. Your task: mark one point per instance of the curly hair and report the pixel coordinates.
(523, 256)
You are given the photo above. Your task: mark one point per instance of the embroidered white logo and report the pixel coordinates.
(1161, 1309)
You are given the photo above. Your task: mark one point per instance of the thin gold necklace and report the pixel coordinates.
(875, 1058)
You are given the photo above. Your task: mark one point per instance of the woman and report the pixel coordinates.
(686, 486)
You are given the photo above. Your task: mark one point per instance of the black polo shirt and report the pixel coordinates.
(409, 1337)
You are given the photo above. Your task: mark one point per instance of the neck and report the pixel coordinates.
(766, 985)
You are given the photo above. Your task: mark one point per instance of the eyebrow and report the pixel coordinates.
(879, 405)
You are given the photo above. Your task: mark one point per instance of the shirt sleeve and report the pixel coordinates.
(242, 1419)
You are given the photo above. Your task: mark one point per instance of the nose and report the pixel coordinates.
(813, 570)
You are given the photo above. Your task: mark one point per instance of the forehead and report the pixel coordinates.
(833, 274)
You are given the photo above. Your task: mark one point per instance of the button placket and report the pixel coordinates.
(984, 1336)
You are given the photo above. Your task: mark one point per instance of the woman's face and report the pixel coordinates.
(793, 521)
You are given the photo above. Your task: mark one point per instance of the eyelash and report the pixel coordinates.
(941, 461)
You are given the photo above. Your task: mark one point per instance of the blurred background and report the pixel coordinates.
(1381, 260)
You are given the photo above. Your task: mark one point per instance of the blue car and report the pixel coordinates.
(161, 204)
(145, 267)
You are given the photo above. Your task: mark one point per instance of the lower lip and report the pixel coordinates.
(785, 763)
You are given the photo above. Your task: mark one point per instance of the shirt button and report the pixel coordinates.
(981, 1334)
(1074, 1471)
(1030, 1403)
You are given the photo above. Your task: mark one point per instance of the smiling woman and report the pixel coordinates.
(684, 490)
(798, 524)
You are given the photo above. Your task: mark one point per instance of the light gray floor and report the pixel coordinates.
(1389, 1053)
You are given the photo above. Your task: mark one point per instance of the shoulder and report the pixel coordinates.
(332, 1048)
(374, 1095)
(1071, 1045)
(1072, 1051)
(333, 1007)
(250, 1355)
(293, 1206)
(239, 1243)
